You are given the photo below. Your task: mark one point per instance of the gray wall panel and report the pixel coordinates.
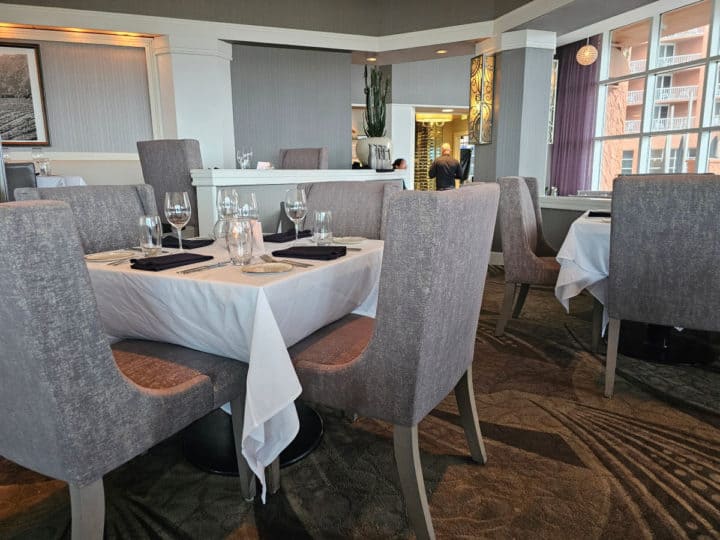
(357, 84)
(432, 82)
(96, 97)
(292, 98)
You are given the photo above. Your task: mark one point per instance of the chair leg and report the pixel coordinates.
(247, 478)
(407, 458)
(611, 359)
(597, 324)
(87, 508)
(524, 288)
(506, 308)
(465, 397)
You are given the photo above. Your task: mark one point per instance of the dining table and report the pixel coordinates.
(59, 181)
(250, 317)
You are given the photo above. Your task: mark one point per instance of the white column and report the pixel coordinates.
(195, 94)
(402, 134)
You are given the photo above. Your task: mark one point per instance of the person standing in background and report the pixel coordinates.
(445, 169)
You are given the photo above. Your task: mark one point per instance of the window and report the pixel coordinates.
(627, 162)
(655, 107)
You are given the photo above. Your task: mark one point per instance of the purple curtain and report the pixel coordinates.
(575, 111)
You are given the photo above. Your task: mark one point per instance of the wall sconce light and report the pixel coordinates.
(587, 54)
(482, 76)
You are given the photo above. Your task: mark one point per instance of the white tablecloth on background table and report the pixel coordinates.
(59, 181)
(249, 317)
(584, 259)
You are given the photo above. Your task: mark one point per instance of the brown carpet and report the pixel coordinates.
(564, 462)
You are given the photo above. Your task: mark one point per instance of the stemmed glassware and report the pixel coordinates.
(178, 211)
(244, 157)
(247, 207)
(227, 207)
(295, 207)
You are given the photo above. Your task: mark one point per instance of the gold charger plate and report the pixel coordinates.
(108, 256)
(267, 268)
(348, 240)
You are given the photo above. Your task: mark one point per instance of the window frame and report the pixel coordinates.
(652, 72)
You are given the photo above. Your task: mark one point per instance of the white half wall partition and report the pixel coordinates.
(402, 134)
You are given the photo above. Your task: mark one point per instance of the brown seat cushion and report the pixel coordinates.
(335, 344)
(155, 365)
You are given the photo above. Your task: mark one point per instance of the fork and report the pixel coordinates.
(270, 259)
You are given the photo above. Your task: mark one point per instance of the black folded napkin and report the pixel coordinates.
(172, 242)
(287, 236)
(599, 213)
(155, 264)
(320, 253)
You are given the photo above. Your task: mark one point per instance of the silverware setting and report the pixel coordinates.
(120, 261)
(204, 267)
(270, 259)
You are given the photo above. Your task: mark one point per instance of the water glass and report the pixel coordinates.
(227, 202)
(150, 235)
(239, 241)
(322, 232)
(44, 164)
(244, 157)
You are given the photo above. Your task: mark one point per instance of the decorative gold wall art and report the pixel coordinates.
(482, 78)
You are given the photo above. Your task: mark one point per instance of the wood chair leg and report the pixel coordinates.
(506, 308)
(465, 397)
(611, 359)
(407, 458)
(522, 295)
(87, 508)
(597, 321)
(247, 477)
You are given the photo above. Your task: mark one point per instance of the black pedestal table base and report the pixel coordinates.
(664, 344)
(208, 443)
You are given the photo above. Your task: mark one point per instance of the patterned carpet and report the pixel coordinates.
(564, 462)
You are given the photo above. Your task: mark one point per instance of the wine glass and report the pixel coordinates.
(247, 206)
(244, 157)
(295, 207)
(177, 211)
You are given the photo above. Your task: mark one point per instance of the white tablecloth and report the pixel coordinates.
(249, 317)
(59, 181)
(584, 261)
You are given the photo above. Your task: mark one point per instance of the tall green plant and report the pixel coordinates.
(375, 96)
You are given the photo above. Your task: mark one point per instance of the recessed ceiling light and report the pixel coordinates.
(448, 110)
(441, 51)
(371, 59)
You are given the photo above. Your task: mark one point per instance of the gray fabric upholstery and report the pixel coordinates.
(68, 411)
(166, 166)
(106, 216)
(519, 231)
(431, 285)
(303, 158)
(19, 175)
(358, 208)
(542, 248)
(665, 251)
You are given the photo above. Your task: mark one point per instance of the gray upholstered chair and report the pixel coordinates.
(664, 254)
(166, 166)
(524, 266)
(19, 175)
(106, 216)
(543, 248)
(358, 208)
(73, 408)
(303, 158)
(399, 366)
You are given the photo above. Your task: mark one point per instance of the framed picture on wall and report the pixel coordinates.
(22, 104)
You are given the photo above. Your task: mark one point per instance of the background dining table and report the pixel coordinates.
(249, 317)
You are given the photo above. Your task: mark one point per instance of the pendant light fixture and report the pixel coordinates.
(587, 54)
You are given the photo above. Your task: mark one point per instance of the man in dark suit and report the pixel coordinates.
(445, 169)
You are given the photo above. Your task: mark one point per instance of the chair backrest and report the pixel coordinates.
(303, 158)
(105, 216)
(665, 251)
(166, 166)
(19, 175)
(358, 208)
(518, 227)
(60, 390)
(433, 273)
